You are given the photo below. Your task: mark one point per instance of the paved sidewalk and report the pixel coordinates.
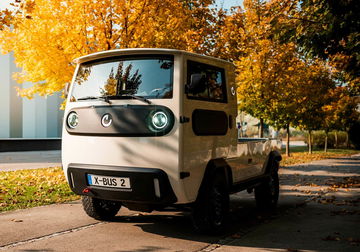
(325, 212)
(319, 211)
(10, 161)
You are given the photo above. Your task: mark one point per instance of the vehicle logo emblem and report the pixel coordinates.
(106, 120)
(233, 91)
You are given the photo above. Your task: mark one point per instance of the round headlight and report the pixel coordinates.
(72, 120)
(160, 120)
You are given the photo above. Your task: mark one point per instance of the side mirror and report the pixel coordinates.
(197, 84)
(66, 89)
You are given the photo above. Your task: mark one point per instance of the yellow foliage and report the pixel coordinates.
(47, 35)
(267, 70)
(274, 82)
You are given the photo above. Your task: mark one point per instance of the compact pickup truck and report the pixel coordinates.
(153, 128)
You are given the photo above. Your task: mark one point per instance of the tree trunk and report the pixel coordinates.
(326, 141)
(336, 139)
(310, 143)
(261, 128)
(347, 143)
(288, 140)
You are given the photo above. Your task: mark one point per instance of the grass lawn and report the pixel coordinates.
(300, 155)
(29, 188)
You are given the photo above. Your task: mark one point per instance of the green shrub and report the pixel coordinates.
(318, 139)
(296, 135)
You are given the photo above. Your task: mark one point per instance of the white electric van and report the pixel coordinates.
(152, 128)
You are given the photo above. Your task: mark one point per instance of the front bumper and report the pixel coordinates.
(144, 187)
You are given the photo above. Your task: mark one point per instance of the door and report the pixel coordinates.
(207, 119)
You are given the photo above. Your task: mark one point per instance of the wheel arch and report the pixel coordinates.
(272, 161)
(213, 167)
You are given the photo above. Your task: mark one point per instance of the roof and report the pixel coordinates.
(133, 51)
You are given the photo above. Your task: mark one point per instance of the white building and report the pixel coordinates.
(39, 118)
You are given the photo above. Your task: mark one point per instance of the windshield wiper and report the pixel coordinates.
(124, 96)
(140, 98)
(106, 98)
(103, 98)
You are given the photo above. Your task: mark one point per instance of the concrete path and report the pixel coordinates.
(10, 161)
(324, 215)
(318, 211)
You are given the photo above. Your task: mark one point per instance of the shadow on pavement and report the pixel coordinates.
(315, 212)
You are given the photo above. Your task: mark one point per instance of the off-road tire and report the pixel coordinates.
(267, 194)
(211, 209)
(100, 209)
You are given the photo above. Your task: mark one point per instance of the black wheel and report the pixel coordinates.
(210, 211)
(100, 209)
(267, 194)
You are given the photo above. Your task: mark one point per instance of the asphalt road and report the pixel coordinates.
(10, 161)
(318, 211)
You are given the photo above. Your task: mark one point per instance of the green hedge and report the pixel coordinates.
(318, 139)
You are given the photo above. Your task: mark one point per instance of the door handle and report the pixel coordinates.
(184, 119)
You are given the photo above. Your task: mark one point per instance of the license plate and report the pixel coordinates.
(106, 181)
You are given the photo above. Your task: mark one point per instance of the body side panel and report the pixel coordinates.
(200, 150)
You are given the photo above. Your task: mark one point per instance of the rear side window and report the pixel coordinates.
(211, 87)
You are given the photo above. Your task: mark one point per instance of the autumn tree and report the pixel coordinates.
(285, 90)
(327, 30)
(330, 30)
(252, 53)
(331, 116)
(205, 26)
(47, 35)
(315, 86)
(340, 113)
(267, 70)
(275, 82)
(231, 44)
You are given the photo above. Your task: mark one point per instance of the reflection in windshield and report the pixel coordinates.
(123, 82)
(142, 76)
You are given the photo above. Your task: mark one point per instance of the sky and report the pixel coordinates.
(4, 4)
(226, 4)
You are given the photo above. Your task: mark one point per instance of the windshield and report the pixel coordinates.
(144, 76)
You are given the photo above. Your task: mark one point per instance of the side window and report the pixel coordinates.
(205, 82)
